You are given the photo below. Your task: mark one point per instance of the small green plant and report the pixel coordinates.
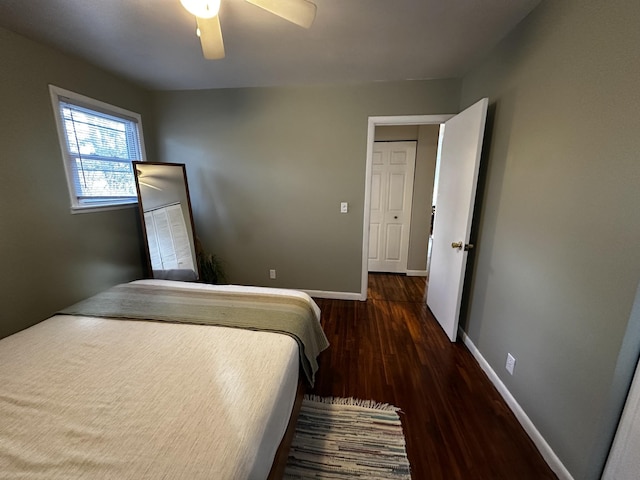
(211, 269)
(210, 266)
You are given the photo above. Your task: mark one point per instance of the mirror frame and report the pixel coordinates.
(144, 225)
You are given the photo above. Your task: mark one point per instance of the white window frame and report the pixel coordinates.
(58, 94)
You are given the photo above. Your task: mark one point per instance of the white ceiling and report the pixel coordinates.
(153, 42)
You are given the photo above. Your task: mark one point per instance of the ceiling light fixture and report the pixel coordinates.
(202, 8)
(300, 12)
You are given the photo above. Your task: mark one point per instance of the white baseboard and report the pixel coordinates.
(333, 295)
(545, 450)
(417, 273)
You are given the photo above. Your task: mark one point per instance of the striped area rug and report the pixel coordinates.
(344, 438)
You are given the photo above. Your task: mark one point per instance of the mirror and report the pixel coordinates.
(165, 211)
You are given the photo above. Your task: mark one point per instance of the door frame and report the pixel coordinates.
(374, 122)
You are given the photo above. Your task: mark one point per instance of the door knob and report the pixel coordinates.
(457, 245)
(395, 217)
(468, 247)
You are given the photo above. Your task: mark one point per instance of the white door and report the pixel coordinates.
(624, 462)
(391, 196)
(456, 190)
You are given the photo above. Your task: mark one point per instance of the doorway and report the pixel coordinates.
(371, 137)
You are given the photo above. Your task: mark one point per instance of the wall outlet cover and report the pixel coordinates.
(511, 363)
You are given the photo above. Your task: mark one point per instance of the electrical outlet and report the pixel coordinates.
(272, 274)
(511, 363)
(344, 207)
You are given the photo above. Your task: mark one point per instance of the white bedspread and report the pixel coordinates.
(95, 398)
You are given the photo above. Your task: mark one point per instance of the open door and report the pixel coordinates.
(456, 190)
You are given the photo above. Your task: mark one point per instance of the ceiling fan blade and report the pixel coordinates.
(300, 12)
(211, 37)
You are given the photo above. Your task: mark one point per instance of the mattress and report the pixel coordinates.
(97, 398)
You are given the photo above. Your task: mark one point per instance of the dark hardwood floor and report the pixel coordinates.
(391, 349)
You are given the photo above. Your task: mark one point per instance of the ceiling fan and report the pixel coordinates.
(300, 12)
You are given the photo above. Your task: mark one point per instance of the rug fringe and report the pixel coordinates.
(356, 402)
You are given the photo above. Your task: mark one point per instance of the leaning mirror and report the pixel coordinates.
(165, 211)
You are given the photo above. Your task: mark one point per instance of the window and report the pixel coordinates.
(98, 143)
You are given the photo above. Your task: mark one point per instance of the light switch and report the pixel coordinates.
(344, 207)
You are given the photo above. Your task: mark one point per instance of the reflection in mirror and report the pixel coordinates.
(165, 208)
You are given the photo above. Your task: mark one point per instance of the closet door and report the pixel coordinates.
(391, 198)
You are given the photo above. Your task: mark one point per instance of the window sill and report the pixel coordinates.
(102, 208)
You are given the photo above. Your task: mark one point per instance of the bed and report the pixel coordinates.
(85, 396)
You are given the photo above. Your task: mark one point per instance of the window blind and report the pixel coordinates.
(100, 148)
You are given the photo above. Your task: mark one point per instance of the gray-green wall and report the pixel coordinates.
(557, 262)
(49, 257)
(268, 168)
